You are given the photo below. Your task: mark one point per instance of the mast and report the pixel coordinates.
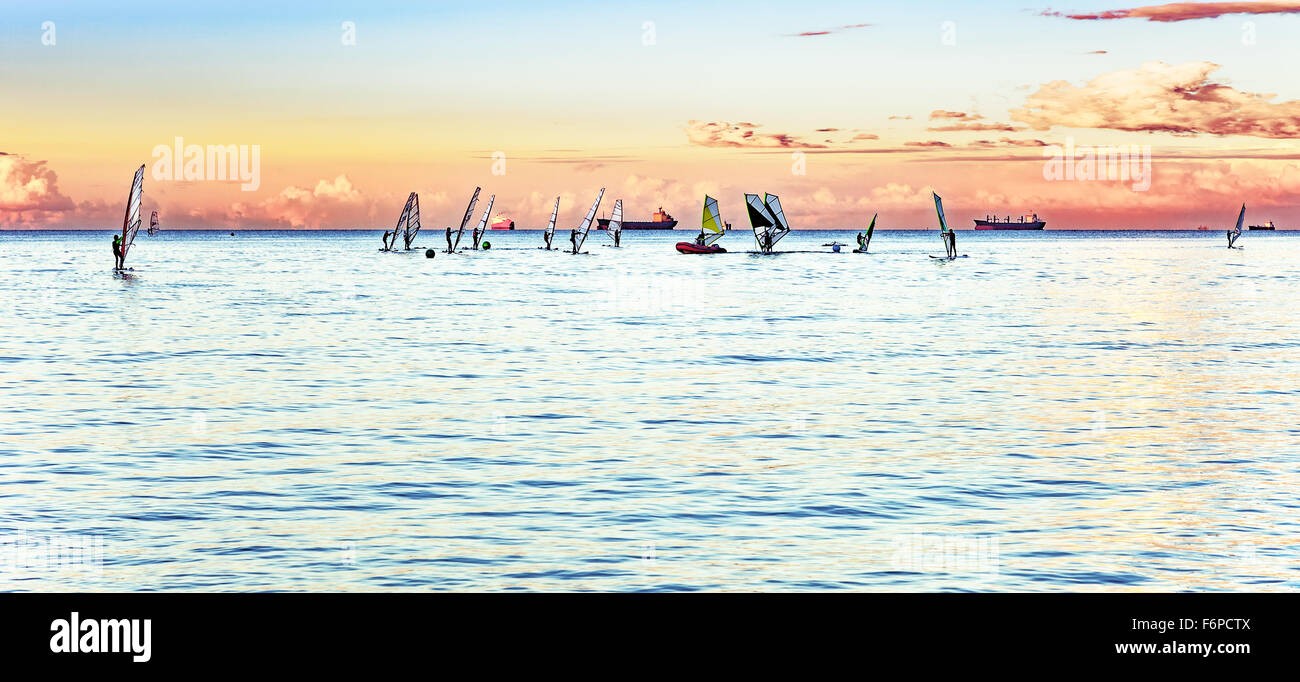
(469, 214)
(581, 232)
(870, 228)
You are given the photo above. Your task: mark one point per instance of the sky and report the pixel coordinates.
(844, 109)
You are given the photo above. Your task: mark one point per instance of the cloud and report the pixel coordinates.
(1159, 97)
(864, 136)
(942, 114)
(724, 134)
(331, 203)
(29, 191)
(826, 32)
(996, 127)
(931, 143)
(900, 118)
(1008, 142)
(1096, 52)
(1184, 11)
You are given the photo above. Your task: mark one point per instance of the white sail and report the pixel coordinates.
(581, 233)
(469, 215)
(412, 219)
(401, 219)
(131, 222)
(482, 224)
(1241, 218)
(760, 218)
(781, 229)
(616, 221)
(711, 225)
(550, 227)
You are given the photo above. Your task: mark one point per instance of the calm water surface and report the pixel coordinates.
(296, 411)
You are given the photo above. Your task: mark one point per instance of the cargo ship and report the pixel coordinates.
(501, 223)
(1025, 222)
(1266, 226)
(661, 220)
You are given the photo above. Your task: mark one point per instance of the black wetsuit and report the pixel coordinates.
(117, 253)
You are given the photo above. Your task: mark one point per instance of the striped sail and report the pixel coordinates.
(616, 220)
(401, 219)
(153, 223)
(482, 224)
(711, 225)
(580, 234)
(131, 222)
(412, 219)
(550, 227)
(469, 215)
(938, 207)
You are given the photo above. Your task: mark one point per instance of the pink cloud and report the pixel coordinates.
(1184, 11)
(829, 31)
(742, 134)
(29, 192)
(1159, 97)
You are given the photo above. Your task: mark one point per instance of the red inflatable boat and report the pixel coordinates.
(692, 247)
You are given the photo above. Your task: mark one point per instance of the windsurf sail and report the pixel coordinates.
(870, 228)
(153, 223)
(482, 224)
(767, 219)
(469, 215)
(711, 225)
(580, 235)
(412, 219)
(938, 207)
(1236, 232)
(550, 227)
(616, 221)
(131, 222)
(782, 228)
(402, 227)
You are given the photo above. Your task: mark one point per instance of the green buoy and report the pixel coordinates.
(487, 245)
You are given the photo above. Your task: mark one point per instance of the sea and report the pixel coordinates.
(298, 411)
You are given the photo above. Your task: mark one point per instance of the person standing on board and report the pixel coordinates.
(617, 234)
(862, 242)
(546, 237)
(952, 243)
(385, 240)
(117, 252)
(449, 239)
(573, 240)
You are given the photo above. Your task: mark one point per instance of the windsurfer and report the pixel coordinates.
(117, 252)
(449, 239)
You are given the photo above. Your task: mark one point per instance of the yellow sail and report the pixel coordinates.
(711, 222)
